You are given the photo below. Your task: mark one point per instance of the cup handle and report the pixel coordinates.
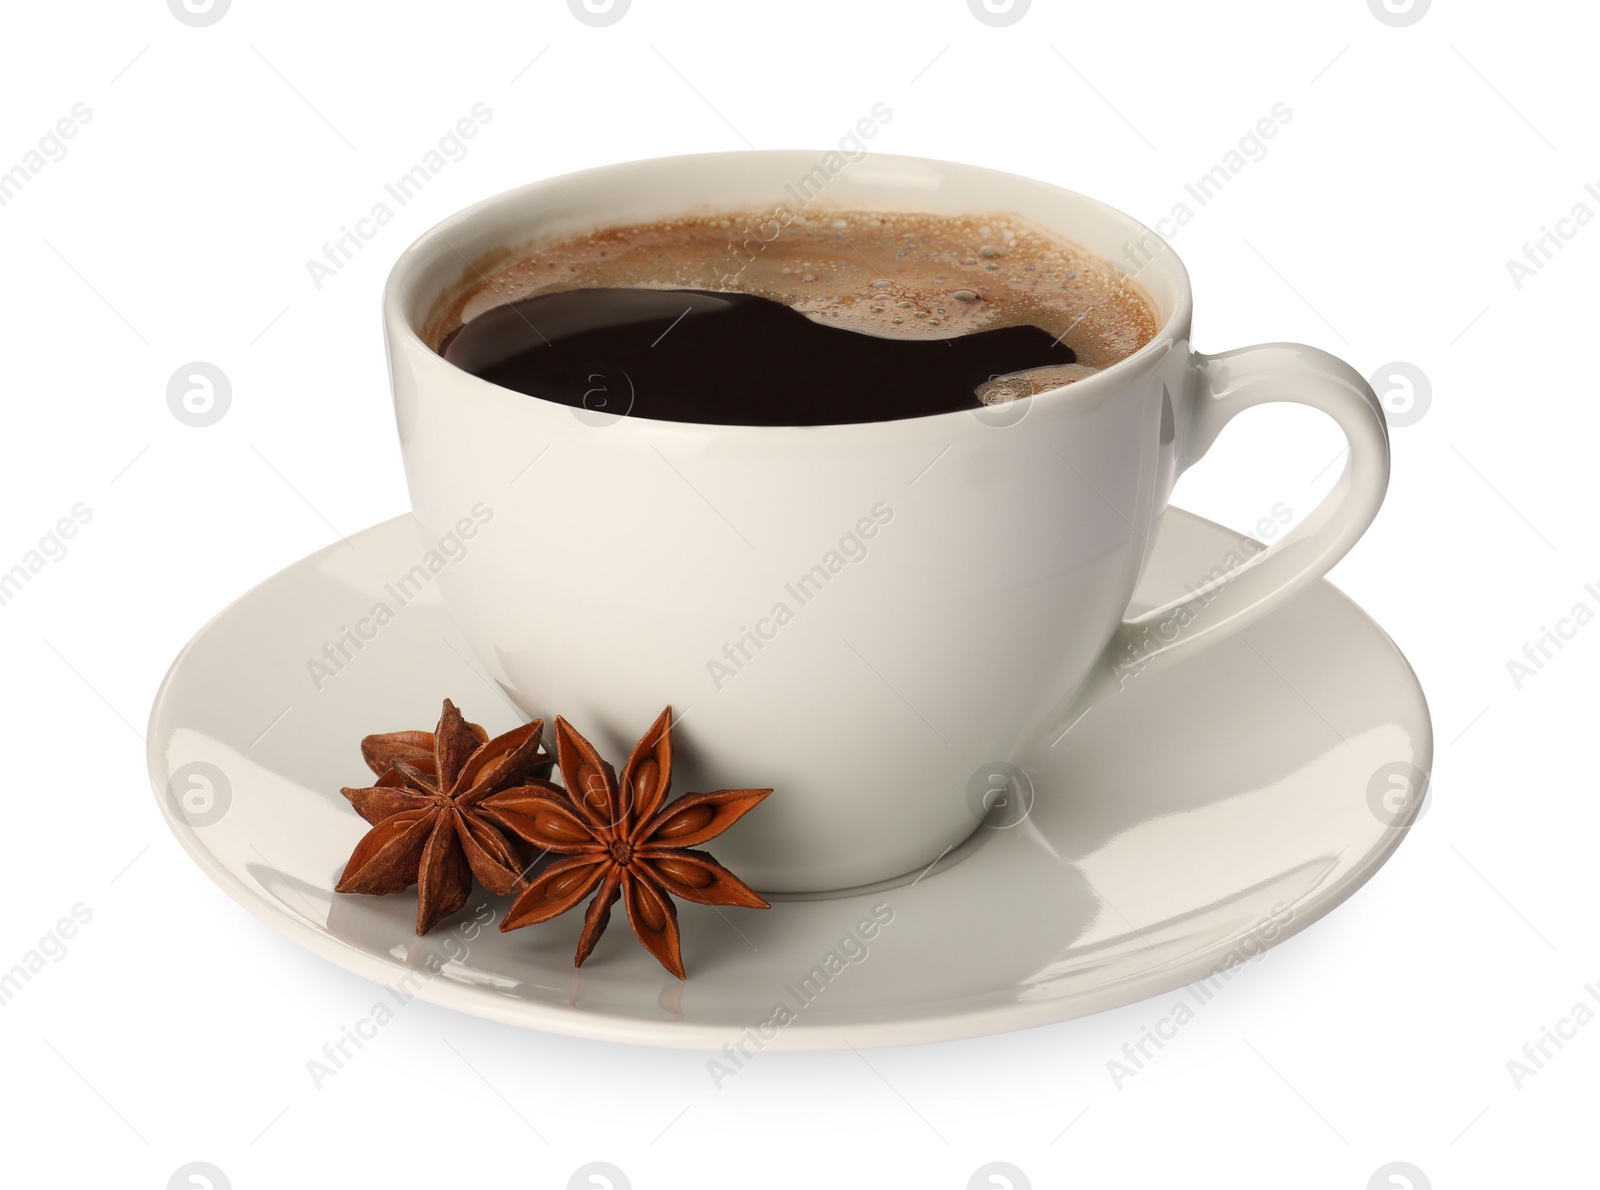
(1226, 385)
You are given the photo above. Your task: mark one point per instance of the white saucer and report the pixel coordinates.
(1225, 799)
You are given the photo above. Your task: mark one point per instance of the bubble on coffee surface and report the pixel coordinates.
(890, 274)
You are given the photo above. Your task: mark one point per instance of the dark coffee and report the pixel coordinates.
(732, 359)
(799, 318)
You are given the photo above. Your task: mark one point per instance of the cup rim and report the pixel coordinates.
(423, 250)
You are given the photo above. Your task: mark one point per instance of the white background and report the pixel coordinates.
(177, 227)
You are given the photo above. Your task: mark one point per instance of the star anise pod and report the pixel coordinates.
(621, 841)
(435, 813)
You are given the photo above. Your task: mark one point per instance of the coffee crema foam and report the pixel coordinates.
(889, 274)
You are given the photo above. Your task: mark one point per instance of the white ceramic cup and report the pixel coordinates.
(869, 618)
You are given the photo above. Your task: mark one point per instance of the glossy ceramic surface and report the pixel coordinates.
(1213, 802)
(952, 580)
